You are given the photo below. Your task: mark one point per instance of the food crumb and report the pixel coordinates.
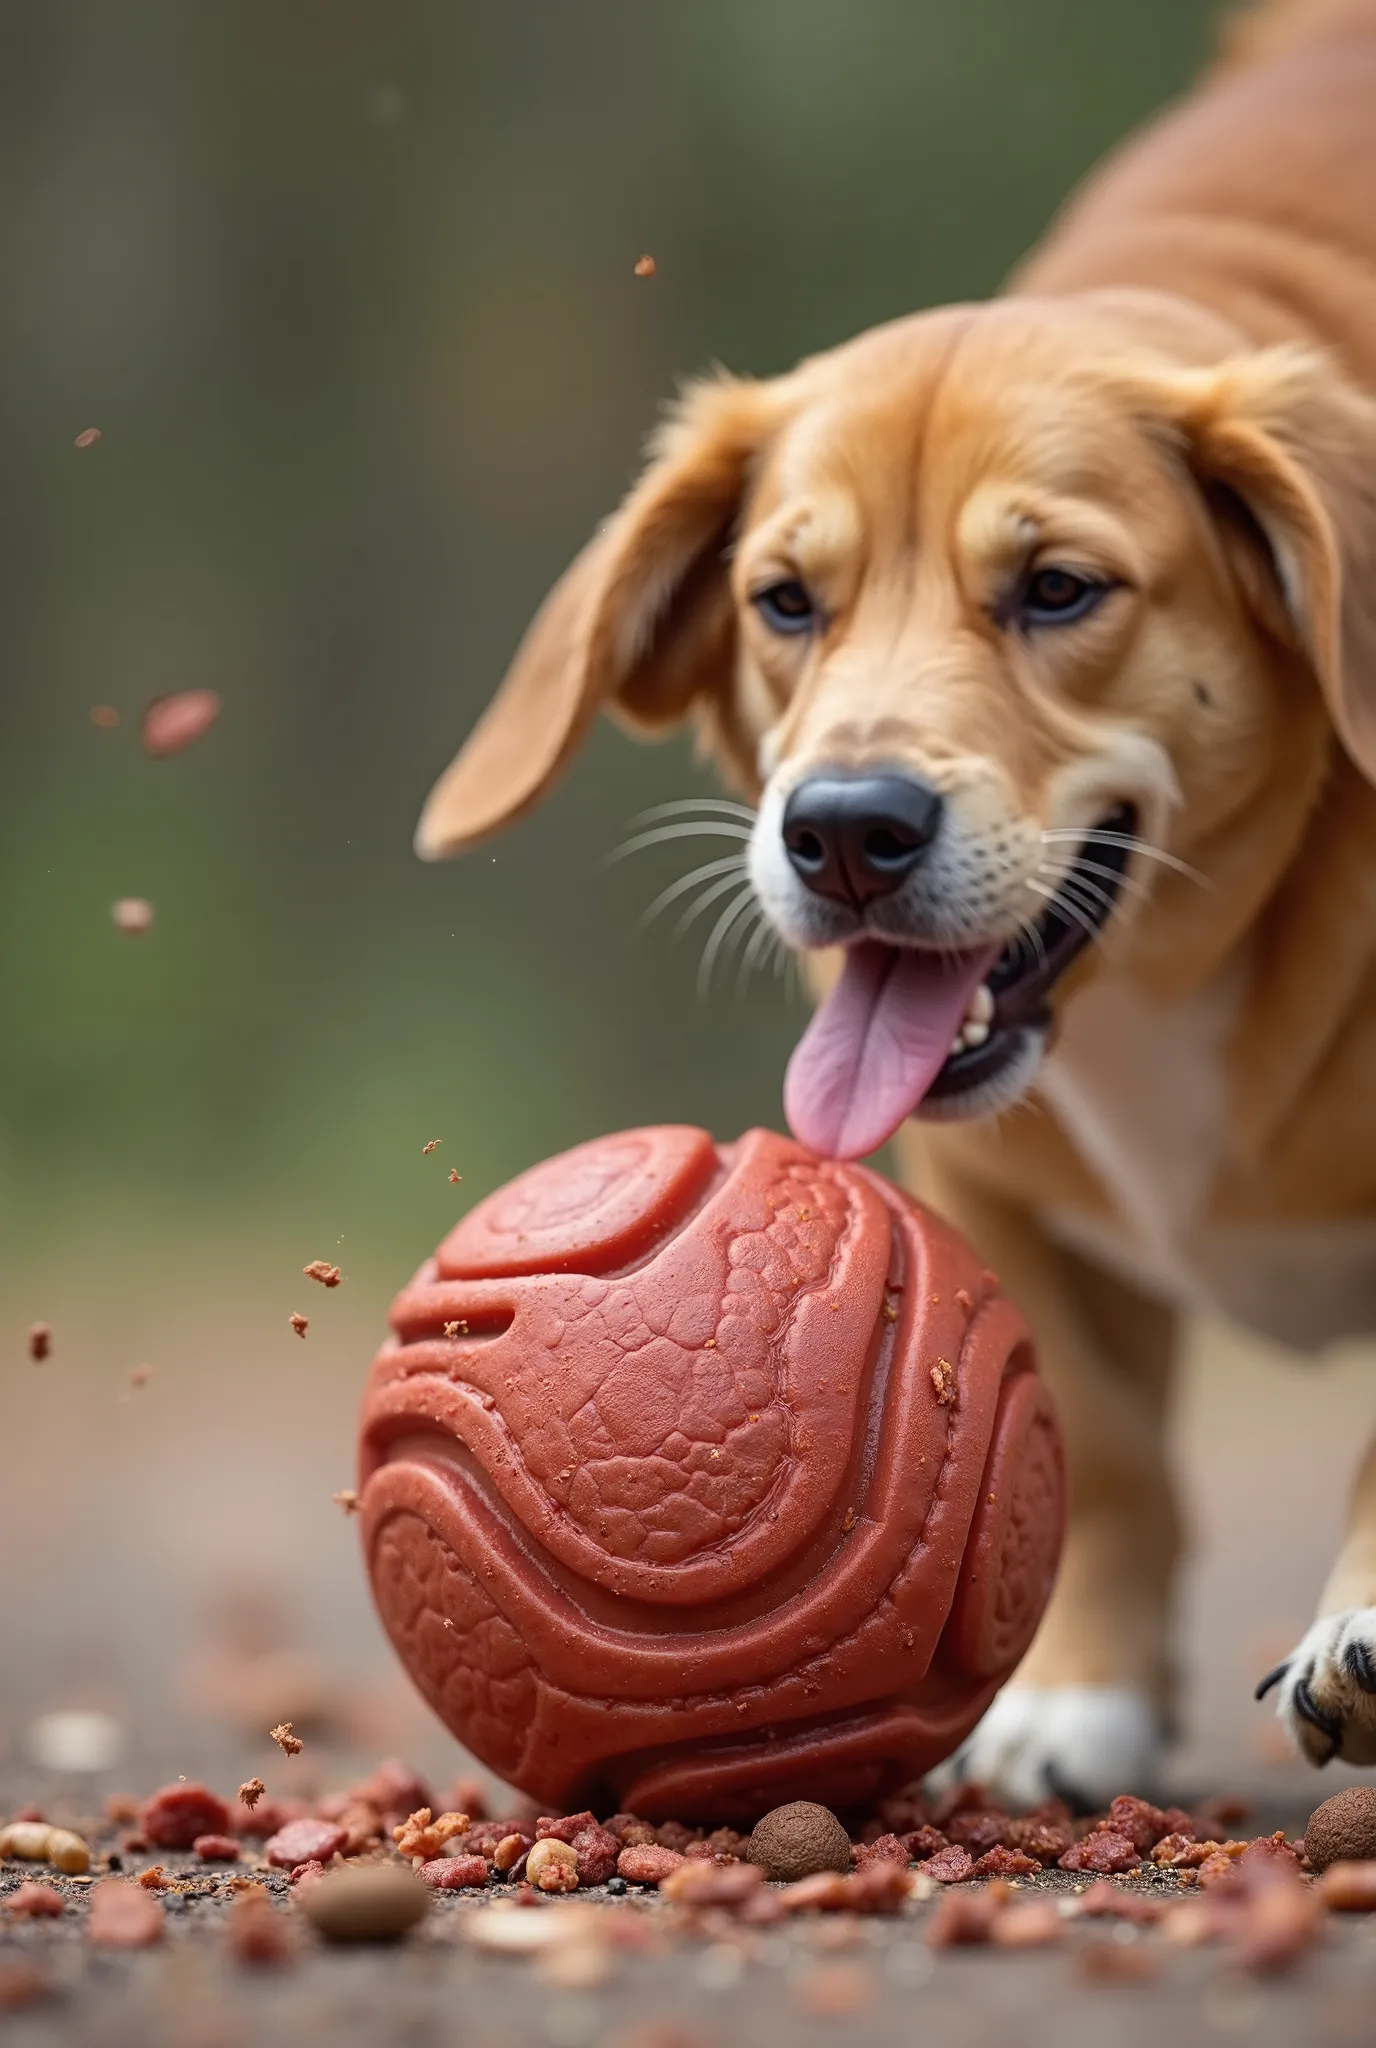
(170, 724)
(426, 1150)
(140, 1375)
(323, 1271)
(299, 1323)
(645, 266)
(105, 716)
(289, 1744)
(454, 1176)
(456, 1329)
(40, 1341)
(132, 914)
(346, 1498)
(251, 1791)
(87, 438)
(944, 1382)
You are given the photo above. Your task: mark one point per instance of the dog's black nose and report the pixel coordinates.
(855, 837)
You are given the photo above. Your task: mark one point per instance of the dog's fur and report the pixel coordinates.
(1179, 391)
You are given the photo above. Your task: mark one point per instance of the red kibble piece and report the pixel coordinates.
(979, 1830)
(175, 1814)
(36, 1902)
(133, 914)
(123, 1915)
(1103, 1852)
(40, 1341)
(454, 1873)
(1033, 1923)
(595, 1848)
(1141, 1822)
(323, 1271)
(1001, 1862)
(299, 1323)
(648, 1863)
(887, 1849)
(216, 1848)
(880, 1887)
(306, 1874)
(258, 1935)
(1105, 1901)
(949, 1866)
(1046, 1840)
(172, 723)
(645, 266)
(961, 1920)
(1180, 1852)
(87, 438)
(924, 1842)
(302, 1841)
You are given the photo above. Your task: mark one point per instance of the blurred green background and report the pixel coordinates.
(348, 289)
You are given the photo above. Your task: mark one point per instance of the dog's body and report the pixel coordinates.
(1103, 550)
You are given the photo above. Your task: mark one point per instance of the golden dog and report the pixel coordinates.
(1037, 623)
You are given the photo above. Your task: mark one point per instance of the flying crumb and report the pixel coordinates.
(323, 1271)
(132, 914)
(289, 1744)
(944, 1382)
(87, 438)
(300, 1324)
(172, 723)
(105, 716)
(347, 1499)
(251, 1791)
(40, 1341)
(426, 1150)
(645, 266)
(140, 1375)
(454, 1176)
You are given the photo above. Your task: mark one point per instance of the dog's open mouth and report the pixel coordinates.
(905, 1024)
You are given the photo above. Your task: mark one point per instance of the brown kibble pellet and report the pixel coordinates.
(124, 1915)
(324, 1272)
(40, 1342)
(132, 914)
(251, 1791)
(87, 438)
(347, 1499)
(1349, 1887)
(797, 1840)
(289, 1744)
(645, 266)
(1343, 1829)
(299, 1323)
(105, 716)
(367, 1902)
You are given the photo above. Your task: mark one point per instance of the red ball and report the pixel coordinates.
(701, 1478)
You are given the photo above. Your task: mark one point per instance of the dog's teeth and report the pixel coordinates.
(975, 1032)
(957, 1044)
(981, 1005)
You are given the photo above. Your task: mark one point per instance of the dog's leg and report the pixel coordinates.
(1086, 1711)
(1327, 1685)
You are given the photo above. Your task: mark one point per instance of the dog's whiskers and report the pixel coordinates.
(681, 804)
(1064, 907)
(712, 894)
(722, 829)
(737, 908)
(1101, 836)
(730, 864)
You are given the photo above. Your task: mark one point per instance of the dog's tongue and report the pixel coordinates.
(876, 1045)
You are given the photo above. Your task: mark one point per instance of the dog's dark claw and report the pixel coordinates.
(1309, 1710)
(1271, 1678)
(1360, 1666)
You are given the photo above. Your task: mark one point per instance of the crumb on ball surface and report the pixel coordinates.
(799, 1840)
(1343, 1829)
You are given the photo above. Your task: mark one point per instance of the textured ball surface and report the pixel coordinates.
(1343, 1829)
(797, 1840)
(697, 1479)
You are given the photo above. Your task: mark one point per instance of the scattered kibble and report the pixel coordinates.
(105, 716)
(347, 1499)
(944, 1382)
(35, 1902)
(287, 1742)
(323, 1271)
(40, 1341)
(795, 1840)
(87, 438)
(173, 723)
(299, 1323)
(132, 914)
(454, 1176)
(258, 1936)
(305, 1841)
(140, 1375)
(1343, 1829)
(124, 1915)
(645, 266)
(175, 1814)
(552, 1866)
(366, 1902)
(426, 1150)
(251, 1791)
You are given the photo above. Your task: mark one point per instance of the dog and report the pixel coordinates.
(1040, 636)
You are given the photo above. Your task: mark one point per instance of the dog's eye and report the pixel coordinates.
(1053, 597)
(786, 606)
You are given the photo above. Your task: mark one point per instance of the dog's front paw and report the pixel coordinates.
(1327, 1686)
(1083, 1743)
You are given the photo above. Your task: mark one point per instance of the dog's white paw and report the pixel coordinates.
(1327, 1686)
(1084, 1743)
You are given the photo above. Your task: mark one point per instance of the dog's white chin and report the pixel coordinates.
(1088, 1742)
(991, 1097)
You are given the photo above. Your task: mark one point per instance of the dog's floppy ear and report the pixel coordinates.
(641, 624)
(1285, 448)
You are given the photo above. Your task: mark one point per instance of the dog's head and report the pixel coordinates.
(1002, 616)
